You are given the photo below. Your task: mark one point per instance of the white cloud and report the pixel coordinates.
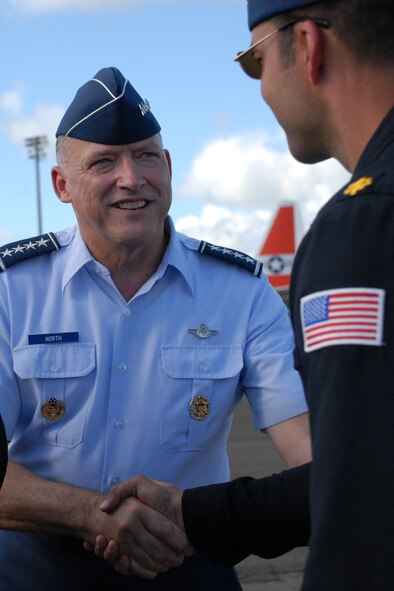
(246, 171)
(11, 102)
(5, 235)
(43, 121)
(242, 230)
(244, 179)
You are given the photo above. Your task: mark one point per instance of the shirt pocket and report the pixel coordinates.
(63, 373)
(188, 372)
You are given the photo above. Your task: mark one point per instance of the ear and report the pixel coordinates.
(312, 40)
(60, 184)
(169, 163)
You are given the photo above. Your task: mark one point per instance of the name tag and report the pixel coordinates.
(53, 338)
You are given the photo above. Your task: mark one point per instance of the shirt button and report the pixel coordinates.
(115, 480)
(54, 367)
(123, 367)
(203, 367)
(126, 312)
(119, 425)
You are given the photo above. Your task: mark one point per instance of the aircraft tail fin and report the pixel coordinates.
(279, 247)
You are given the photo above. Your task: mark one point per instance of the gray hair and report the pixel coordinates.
(62, 150)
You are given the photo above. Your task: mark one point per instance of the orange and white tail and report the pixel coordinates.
(279, 247)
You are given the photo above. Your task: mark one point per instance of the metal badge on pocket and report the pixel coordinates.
(199, 408)
(53, 409)
(203, 332)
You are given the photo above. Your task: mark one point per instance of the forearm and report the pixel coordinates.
(267, 516)
(292, 440)
(31, 503)
(34, 504)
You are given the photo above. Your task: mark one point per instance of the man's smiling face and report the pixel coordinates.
(120, 194)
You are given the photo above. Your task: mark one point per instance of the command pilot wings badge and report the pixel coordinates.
(203, 332)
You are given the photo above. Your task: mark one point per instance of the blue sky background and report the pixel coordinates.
(231, 166)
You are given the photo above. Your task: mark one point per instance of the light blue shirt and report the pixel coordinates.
(124, 373)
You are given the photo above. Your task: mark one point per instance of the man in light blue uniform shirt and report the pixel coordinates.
(124, 349)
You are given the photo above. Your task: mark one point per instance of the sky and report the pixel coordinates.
(231, 165)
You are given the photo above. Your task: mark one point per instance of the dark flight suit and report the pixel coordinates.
(342, 305)
(349, 253)
(266, 516)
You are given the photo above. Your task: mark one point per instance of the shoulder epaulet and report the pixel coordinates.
(357, 186)
(15, 252)
(232, 256)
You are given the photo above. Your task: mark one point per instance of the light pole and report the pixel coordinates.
(35, 149)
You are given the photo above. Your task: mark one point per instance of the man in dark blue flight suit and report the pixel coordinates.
(328, 75)
(327, 72)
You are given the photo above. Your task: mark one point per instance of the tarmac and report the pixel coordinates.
(252, 454)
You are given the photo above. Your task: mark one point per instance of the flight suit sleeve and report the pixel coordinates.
(267, 516)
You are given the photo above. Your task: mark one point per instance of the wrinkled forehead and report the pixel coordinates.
(75, 150)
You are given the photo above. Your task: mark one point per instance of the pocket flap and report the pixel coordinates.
(207, 362)
(63, 360)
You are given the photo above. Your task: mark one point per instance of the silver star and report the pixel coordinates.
(6, 253)
(42, 242)
(29, 245)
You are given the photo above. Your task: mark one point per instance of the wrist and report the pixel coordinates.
(178, 497)
(91, 516)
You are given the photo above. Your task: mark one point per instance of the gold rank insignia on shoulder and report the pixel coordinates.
(53, 409)
(358, 186)
(203, 332)
(199, 408)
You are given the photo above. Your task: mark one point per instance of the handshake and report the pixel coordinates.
(141, 528)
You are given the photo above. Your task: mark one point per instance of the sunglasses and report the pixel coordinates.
(251, 65)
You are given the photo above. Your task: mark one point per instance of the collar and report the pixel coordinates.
(175, 256)
(378, 143)
(80, 256)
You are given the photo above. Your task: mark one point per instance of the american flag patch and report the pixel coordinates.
(352, 316)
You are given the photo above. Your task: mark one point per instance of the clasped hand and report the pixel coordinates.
(142, 530)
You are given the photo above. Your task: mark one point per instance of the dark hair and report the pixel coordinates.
(365, 26)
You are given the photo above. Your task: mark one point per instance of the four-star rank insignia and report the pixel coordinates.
(16, 252)
(199, 408)
(232, 256)
(53, 409)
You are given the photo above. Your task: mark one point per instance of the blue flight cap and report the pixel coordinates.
(108, 110)
(262, 10)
